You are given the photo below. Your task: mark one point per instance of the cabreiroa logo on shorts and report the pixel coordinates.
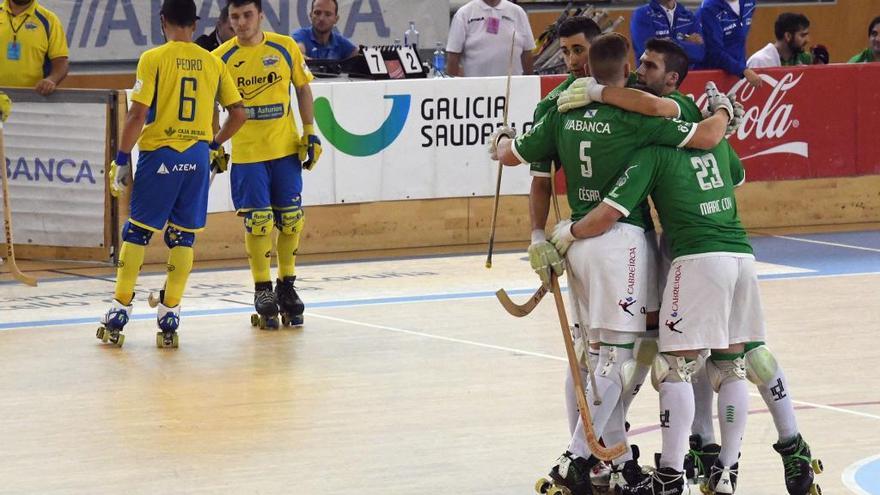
(676, 289)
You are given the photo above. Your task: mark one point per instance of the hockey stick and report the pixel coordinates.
(7, 221)
(500, 166)
(520, 310)
(603, 453)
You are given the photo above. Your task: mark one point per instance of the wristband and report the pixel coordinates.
(213, 145)
(122, 158)
(538, 235)
(595, 92)
(308, 129)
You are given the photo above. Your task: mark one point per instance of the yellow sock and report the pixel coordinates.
(259, 250)
(131, 258)
(180, 263)
(288, 244)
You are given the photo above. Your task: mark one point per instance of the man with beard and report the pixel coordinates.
(322, 40)
(33, 48)
(792, 36)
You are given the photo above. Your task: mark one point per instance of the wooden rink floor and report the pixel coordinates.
(407, 378)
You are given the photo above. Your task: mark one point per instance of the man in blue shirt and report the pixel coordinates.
(726, 25)
(321, 40)
(668, 19)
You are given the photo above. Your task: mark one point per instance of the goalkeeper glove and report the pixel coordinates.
(581, 93)
(717, 100)
(562, 236)
(309, 147)
(503, 131)
(219, 158)
(119, 170)
(5, 106)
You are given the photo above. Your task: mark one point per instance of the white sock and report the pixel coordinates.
(571, 406)
(733, 410)
(676, 416)
(628, 395)
(615, 432)
(778, 399)
(703, 395)
(608, 388)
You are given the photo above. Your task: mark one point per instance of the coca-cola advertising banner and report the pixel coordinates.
(802, 123)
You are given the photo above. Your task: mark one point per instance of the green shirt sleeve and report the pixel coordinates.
(636, 181)
(666, 132)
(539, 144)
(737, 172)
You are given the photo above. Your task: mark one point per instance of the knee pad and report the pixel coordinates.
(290, 222)
(136, 234)
(645, 351)
(761, 365)
(175, 237)
(259, 222)
(724, 370)
(670, 368)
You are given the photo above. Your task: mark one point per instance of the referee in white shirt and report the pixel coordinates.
(479, 39)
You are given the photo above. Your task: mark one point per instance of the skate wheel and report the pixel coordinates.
(255, 320)
(817, 465)
(120, 340)
(815, 490)
(543, 485)
(284, 320)
(705, 490)
(559, 490)
(102, 334)
(160, 340)
(175, 341)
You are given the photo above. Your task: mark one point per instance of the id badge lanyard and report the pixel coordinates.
(13, 48)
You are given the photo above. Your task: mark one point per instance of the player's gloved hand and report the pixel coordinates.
(581, 93)
(545, 259)
(739, 114)
(119, 170)
(309, 147)
(219, 158)
(503, 131)
(562, 236)
(716, 100)
(5, 106)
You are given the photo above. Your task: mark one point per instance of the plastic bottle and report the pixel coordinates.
(439, 61)
(411, 36)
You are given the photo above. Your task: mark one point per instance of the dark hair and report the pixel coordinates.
(224, 14)
(608, 54)
(242, 3)
(334, 3)
(179, 12)
(580, 24)
(788, 22)
(674, 56)
(874, 22)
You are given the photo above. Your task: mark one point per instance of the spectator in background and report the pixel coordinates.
(479, 39)
(667, 19)
(726, 25)
(33, 49)
(322, 40)
(222, 32)
(872, 53)
(792, 35)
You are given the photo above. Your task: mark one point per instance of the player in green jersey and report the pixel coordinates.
(664, 68)
(608, 273)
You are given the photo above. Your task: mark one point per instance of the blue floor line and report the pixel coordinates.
(868, 477)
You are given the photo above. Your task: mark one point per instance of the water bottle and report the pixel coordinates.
(439, 61)
(411, 36)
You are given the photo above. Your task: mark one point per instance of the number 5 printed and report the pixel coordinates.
(586, 160)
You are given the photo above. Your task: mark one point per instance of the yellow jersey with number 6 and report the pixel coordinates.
(263, 74)
(180, 82)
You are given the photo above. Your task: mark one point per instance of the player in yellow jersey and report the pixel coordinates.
(171, 119)
(269, 155)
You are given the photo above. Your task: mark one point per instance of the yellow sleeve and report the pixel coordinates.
(228, 93)
(145, 84)
(57, 40)
(300, 73)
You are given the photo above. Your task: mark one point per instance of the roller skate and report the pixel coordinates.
(570, 476)
(266, 306)
(699, 460)
(722, 480)
(168, 320)
(290, 305)
(112, 323)
(663, 481)
(799, 467)
(630, 473)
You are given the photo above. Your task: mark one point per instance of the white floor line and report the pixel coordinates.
(436, 337)
(826, 243)
(540, 355)
(849, 475)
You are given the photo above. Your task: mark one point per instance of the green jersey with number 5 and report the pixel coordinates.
(594, 144)
(693, 194)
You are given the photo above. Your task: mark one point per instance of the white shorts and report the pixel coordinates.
(608, 274)
(711, 301)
